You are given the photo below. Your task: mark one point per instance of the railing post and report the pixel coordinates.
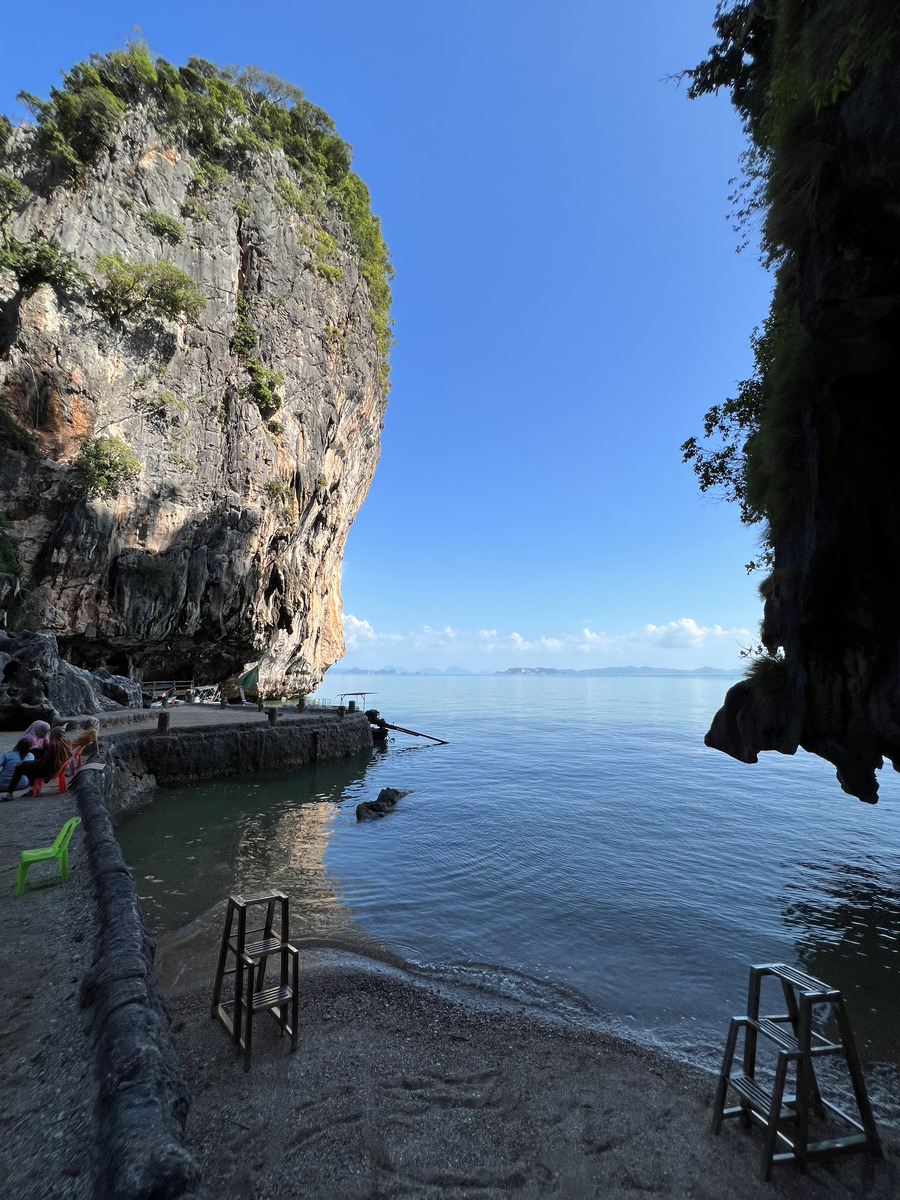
(162, 725)
(272, 714)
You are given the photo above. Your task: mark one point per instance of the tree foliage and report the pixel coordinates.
(245, 337)
(788, 66)
(264, 385)
(158, 289)
(42, 260)
(165, 227)
(11, 195)
(104, 465)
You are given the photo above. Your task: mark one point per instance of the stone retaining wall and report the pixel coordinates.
(146, 760)
(143, 1097)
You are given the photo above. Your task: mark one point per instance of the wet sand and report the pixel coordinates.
(400, 1090)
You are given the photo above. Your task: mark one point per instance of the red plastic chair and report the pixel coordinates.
(74, 762)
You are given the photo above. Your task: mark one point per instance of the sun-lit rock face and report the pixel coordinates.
(224, 549)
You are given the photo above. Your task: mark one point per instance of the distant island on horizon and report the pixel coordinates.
(539, 671)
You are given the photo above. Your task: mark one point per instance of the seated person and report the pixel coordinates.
(20, 753)
(86, 742)
(48, 764)
(38, 734)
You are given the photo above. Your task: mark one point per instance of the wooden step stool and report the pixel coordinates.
(798, 1045)
(250, 996)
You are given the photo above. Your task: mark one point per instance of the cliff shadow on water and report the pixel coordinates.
(193, 847)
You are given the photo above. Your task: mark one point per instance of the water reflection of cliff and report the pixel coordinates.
(193, 847)
(847, 919)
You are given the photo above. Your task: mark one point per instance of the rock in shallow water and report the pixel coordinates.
(373, 810)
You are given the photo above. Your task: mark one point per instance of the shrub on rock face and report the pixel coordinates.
(158, 289)
(263, 385)
(245, 336)
(164, 226)
(104, 465)
(11, 195)
(42, 260)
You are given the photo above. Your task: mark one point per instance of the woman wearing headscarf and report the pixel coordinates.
(49, 764)
(38, 734)
(86, 741)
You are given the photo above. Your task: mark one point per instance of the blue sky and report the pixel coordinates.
(568, 303)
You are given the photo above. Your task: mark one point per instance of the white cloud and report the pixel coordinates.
(356, 631)
(679, 643)
(684, 633)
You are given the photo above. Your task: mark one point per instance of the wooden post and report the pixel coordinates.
(301, 703)
(351, 707)
(162, 725)
(260, 707)
(340, 712)
(223, 703)
(272, 715)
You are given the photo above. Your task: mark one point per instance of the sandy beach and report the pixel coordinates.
(398, 1089)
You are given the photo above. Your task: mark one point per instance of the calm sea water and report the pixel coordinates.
(575, 847)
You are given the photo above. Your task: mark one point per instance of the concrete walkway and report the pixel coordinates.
(181, 716)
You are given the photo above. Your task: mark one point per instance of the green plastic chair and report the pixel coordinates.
(59, 850)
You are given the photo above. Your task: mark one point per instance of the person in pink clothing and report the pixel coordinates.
(38, 733)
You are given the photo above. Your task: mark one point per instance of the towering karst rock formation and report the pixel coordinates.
(808, 446)
(193, 338)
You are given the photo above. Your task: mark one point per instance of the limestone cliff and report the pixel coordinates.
(242, 429)
(809, 445)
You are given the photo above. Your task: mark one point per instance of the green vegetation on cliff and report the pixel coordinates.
(223, 118)
(40, 261)
(807, 445)
(134, 287)
(790, 66)
(104, 465)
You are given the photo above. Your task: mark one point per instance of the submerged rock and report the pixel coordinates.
(374, 810)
